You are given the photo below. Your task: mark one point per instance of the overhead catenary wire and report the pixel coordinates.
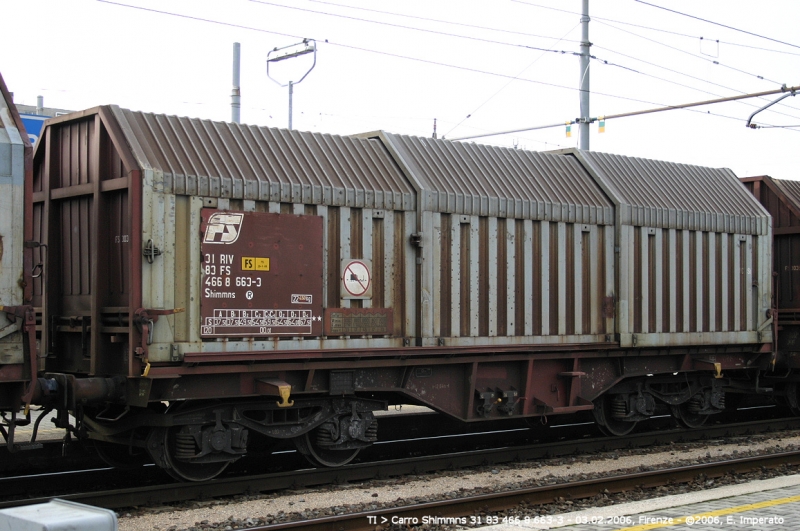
(348, 46)
(691, 55)
(412, 28)
(655, 41)
(706, 59)
(450, 22)
(563, 52)
(672, 82)
(671, 32)
(606, 62)
(718, 24)
(387, 54)
(501, 89)
(697, 37)
(783, 89)
(374, 51)
(596, 18)
(490, 41)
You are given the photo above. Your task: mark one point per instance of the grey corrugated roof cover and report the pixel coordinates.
(677, 196)
(221, 159)
(791, 189)
(12, 133)
(481, 180)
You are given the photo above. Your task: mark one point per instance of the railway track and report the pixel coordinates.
(58, 455)
(478, 510)
(155, 493)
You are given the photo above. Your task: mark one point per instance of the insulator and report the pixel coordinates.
(619, 407)
(185, 447)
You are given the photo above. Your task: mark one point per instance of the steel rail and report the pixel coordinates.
(487, 503)
(177, 492)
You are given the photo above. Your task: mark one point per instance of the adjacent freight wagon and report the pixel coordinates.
(199, 284)
(17, 321)
(781, 198)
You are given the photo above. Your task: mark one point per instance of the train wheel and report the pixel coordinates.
(322, 457)
(177, 443)
(686, 418)
(606, 422)
(183, 469)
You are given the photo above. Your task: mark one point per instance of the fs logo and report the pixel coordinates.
(223, 228)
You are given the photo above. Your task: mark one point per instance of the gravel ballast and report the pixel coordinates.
(244, 512)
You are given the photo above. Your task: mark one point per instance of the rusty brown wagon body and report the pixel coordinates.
(288, 284)
(781, 198)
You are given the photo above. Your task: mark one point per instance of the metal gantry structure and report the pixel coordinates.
(289, 52)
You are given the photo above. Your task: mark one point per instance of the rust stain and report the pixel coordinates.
(608, 307)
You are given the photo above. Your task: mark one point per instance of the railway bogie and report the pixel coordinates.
(199, 284)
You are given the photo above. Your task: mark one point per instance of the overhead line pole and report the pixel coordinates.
(236, 94)
(584, 121)
(781, 90)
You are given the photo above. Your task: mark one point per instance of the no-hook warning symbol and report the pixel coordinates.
(356, 279)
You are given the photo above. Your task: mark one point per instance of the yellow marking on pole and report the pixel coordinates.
(722, 512)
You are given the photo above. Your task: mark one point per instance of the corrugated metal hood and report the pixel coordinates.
(221, 159)
(482, 180)
(675, 196)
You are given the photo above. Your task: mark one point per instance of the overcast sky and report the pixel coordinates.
(476, 66)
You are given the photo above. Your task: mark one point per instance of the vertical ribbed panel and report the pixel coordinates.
(540, 280)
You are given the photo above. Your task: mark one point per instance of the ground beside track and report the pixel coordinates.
(244, 512)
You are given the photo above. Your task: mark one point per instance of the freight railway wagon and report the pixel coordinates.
(199, 285)
(17, 320)
(781, 198)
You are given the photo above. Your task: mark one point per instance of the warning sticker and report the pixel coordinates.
(356, 279)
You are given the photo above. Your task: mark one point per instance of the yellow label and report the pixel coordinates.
(252, 263)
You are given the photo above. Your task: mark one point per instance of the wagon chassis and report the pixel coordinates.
(194, 419)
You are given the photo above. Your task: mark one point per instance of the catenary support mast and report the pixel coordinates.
(584, 119)
(236, 94)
